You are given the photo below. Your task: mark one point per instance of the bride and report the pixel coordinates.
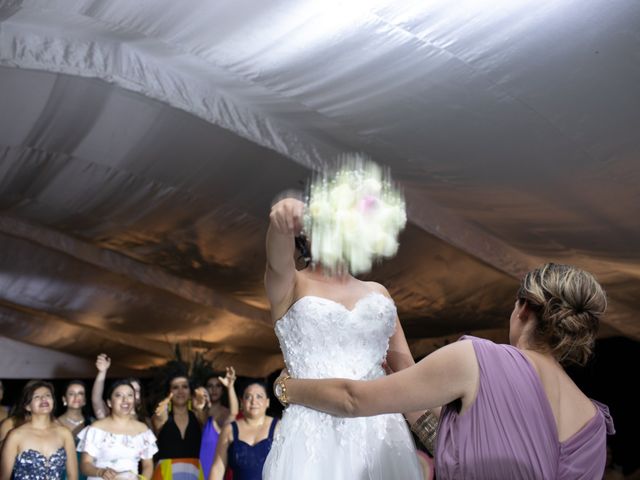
(332, 326)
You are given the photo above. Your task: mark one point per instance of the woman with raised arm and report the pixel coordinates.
(332, 325)
(100, 408)
(39, 448)
(219, 415)
(510, 411)
(217, 386)
(114, 447)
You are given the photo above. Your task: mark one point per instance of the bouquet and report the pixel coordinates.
(353, 216)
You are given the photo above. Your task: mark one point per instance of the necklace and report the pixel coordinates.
(73, 422)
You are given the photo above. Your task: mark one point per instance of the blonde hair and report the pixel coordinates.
(568, 303)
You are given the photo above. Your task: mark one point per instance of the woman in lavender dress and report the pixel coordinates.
(39, 449)
(510, 411)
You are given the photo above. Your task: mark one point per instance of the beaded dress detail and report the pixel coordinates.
(33, 465)
(320, 338)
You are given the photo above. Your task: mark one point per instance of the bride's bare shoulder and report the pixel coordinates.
(378, 287)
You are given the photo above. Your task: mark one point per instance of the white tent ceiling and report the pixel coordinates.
(141, 144)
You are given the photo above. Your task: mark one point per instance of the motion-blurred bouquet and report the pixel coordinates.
(354, 215)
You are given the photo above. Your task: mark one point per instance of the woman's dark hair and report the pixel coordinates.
(255, 382)
(171, 378)
(27, 396)
(119, 383)
(85, 409)
(133, 380)
(163, 375)
(302, 245)
(224, 400)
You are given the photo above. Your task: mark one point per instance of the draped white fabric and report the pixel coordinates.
(141, 144)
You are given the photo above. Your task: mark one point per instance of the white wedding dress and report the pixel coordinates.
(323, 339)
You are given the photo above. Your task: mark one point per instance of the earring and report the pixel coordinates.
(189, 405)
(169, 407)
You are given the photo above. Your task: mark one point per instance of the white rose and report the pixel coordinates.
(329, 247)
(371, 186)
(385, 245)
(342, 197)
(360, 260)
(320, 211)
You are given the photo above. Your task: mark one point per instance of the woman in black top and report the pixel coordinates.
(177, 422)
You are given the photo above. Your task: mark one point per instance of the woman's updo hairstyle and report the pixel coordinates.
(568, 303)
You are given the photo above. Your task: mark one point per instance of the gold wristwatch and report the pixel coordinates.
(280, 390)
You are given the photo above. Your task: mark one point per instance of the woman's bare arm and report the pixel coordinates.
(72, 459)
(147, 467)
(8, 456)
(100, 409)
(229, 383)
(444, 376)
(221, 458)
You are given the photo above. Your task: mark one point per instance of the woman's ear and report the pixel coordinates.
(524, 311)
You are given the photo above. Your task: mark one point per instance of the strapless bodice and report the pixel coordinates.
(33, 465)
(321, 338)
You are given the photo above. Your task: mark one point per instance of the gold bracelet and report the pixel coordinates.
(426, 429)
(280, 390)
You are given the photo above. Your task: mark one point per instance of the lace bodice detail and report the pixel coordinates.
(321, 338)
(33, 465)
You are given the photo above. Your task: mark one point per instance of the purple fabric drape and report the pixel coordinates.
(510, 431)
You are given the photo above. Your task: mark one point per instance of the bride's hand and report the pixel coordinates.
(286, 216)
(387, 369)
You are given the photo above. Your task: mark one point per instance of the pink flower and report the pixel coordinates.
(368, 203)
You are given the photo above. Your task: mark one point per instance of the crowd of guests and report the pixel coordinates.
(501, 397)
(193, 433)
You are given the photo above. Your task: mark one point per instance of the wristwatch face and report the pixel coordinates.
(277, 389)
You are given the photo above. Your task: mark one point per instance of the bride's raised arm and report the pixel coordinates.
(285, 221)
